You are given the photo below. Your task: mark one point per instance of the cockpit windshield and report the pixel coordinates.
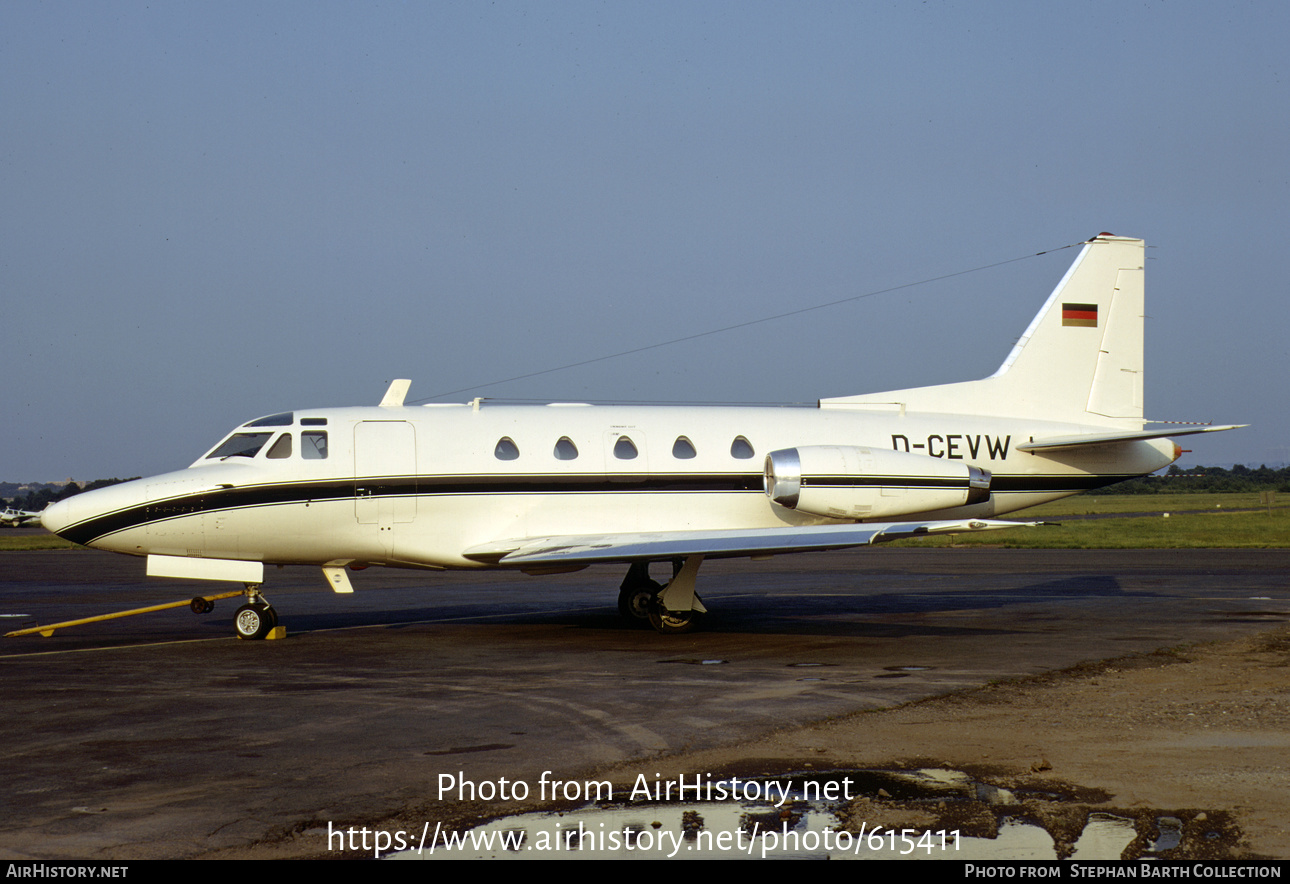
(284, 419)
(313, 442)
(240, 445)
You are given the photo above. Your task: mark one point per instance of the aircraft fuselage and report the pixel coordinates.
(420, 486)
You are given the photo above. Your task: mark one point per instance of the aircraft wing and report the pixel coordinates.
(590, 549)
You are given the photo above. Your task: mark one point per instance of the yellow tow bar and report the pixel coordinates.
(200, 605)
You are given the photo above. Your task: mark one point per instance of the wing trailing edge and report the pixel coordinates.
(593, 549)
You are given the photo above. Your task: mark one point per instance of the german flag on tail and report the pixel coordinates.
(1079, 314)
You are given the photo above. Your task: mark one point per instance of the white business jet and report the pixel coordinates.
(552, 488)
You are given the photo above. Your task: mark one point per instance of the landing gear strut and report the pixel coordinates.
(672, 609)
(256, 619)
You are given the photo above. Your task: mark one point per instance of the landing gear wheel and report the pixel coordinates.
(201, 605)
(634, 601)
(667, 622)
(254, 621)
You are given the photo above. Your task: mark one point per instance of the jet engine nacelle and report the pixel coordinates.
(849, 482)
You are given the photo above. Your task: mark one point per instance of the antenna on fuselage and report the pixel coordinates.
(397, 392)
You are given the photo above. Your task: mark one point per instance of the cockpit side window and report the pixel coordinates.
(240, 445)
(313, 445)
(280, 448)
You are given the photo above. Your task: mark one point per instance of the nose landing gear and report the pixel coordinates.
(256, 619)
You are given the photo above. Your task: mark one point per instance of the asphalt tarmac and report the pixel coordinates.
(164, 736)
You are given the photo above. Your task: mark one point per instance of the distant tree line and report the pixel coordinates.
(38, 499)
(1238, 479)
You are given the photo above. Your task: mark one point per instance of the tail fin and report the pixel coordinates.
(1079, 361)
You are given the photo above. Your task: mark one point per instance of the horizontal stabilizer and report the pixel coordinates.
(1054, 443)
(592, 549)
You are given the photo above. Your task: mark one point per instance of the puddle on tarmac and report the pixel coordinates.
(1170, 834)
(1104, 837)
(916, 814)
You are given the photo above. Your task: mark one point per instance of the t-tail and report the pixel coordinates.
(1079, 361)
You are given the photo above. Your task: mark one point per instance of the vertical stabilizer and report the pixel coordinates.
(1079, 361)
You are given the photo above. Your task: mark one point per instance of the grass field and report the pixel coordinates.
(1083, 504)
(1195, 521)
(1200, 531)
(1198, 521)
(15, 541)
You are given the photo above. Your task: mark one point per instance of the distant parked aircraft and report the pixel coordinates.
(15, 517)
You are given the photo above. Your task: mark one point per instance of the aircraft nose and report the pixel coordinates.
(57, 516)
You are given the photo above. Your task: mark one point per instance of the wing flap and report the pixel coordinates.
(591, 549)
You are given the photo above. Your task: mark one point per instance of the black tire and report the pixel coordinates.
(635, 601)
(201, 605)
(253, 622)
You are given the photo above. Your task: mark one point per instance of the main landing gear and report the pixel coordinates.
(256, 619)
(672, 609)
(637, 592)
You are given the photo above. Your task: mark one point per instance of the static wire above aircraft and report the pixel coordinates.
(555, 488)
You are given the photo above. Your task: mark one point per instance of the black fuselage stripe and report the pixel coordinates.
(450, 486)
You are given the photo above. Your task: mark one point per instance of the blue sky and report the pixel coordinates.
(215, 211)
